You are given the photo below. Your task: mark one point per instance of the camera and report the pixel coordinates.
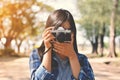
(62, 35)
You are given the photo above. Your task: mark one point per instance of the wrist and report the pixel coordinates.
(72, 56)
(48, 50)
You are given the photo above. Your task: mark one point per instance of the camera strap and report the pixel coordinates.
(47, 50)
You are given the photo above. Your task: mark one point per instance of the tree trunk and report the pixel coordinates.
(119, 45)
(101, 44)
(95, 45)
(112, 52)
(18, 45)
(102, 40)
(8, 42)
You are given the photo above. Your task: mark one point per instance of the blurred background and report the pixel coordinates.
(98, 34)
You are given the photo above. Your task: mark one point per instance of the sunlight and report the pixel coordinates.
(6, 22)
(3, 40)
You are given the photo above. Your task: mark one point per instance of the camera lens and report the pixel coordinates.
(60, 37)
(68, 37)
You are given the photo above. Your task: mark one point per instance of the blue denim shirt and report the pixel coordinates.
(60, 68)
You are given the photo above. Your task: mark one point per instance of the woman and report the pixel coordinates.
(55, 60)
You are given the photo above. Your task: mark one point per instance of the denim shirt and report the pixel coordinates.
(60, 68)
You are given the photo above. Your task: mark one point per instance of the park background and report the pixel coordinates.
(98, 34)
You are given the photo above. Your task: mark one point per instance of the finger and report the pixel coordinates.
(57, 43)
(57, 50)
(45, 34)
(65, 44)
(49, 37)
(48, 29)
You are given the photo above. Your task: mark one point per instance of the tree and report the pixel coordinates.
(17, 20)
(91, 31)
(112, 52)
(97, 13)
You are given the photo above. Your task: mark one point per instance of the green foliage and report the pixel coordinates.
(118, 31)
(118, 22)
(95, 9)
(94, 13)
(106, 45)
(90, 27)
(99, 11)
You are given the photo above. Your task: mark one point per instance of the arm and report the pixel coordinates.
(75, 65)
(47, 38)
(42, 70)
(86, 72)
(38, 72)
(46, 62)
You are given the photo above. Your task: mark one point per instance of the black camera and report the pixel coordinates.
(62, 35)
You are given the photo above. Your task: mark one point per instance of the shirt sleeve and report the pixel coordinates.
(37, 71)
(86, 72)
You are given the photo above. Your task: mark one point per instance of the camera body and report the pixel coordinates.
(62, 35)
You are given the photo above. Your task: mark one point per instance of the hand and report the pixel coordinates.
(65, 49)
(47, 37)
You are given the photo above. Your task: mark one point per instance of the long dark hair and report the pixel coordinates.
(57, 18)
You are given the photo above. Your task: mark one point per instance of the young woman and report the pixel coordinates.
(55, 60)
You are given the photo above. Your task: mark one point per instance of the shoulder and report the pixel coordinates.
(82, 59)
(81, 56)
(34, 54)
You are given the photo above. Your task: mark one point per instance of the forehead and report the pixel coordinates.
(66, 25)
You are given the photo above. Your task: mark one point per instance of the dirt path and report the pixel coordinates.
(106, 68)
(14, 69)
(18, 68)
